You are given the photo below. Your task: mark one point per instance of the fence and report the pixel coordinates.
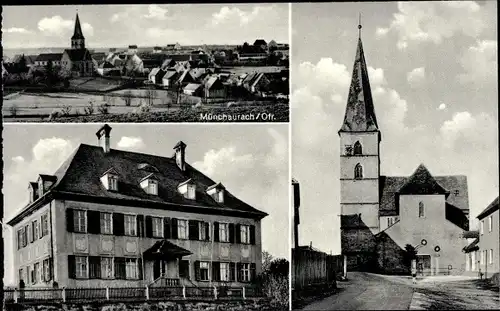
(37, 295)
(312, 267)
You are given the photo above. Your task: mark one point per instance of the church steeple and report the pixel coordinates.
(360, 112)
(77, 40)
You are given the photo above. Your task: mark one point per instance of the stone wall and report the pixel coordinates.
(260, 304)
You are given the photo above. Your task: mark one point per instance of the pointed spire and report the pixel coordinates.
(77, 34)
(422, 182)
(360, 112)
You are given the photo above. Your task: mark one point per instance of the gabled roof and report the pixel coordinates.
(151, 176)
(472, 246)
(260, 42)
(77, 34)
(45, 177)
(44, 57)
(170, 74)
(192, 87)
(489, 209)
(110, 171)
(167, 250)
(216, 186)
(79, 178)
(360, 112)
(422, 182)
(76, 55)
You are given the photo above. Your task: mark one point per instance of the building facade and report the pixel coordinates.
(382, 215)
(482, 254)
(77, 61)
(114, 218)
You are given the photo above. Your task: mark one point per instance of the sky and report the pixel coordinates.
(433, 74)
(251, 161)
(144, 25)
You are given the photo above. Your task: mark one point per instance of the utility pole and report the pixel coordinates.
(296, 218)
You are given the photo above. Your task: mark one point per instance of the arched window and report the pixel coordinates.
(421, 212)
(358, 171)
(358, 149)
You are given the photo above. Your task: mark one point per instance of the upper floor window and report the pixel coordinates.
(157, 227)
(490, 223)
(45, 224)
(421, 210)
(188, 189)
(204, 231)
(130, 225)
(390, 221)
(106, 223)
(358, 149)
(245, 234)
(36, 233)
(481, 227)
(80, 221)
(358, 171)
(182, 229)
(223, 232)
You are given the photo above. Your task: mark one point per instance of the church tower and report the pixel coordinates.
(359, 170)
(77, 40)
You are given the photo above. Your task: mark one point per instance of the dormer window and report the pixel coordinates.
(216, 192)
(358, 149)
(150, 184)
(188, 189)
(110, 180)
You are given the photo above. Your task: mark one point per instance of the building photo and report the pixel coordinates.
(169, 211)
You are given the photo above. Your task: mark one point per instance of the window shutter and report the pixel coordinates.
(141, 226)
(69, 221)
(207, 231)
(51, 269)
(197, 270)
(139, 264)
(149, 226)
(118, 224)
(94, 222)
(215, 271)
(231, 233)
(120, 273)
(174, 228)
(193, 230)
(252, 272)
(94, 267)
(252, 234)
(237, 233)
(216, 232)
(231, 271)
(71, 267)
(167, 228)
(239, 272)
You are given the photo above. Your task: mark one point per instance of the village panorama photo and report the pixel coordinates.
(179, 217)
(146, 63)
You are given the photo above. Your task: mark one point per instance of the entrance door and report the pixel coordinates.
(424, 263)
(157, 269)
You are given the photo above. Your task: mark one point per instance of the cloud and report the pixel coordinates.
(17, 30)
(416, 76)
(225, 160)
(172, 34)
(131, 143)
(480, 63)
(465, 131)
(156, 12)
(57, 26)
(434, 21)
(442, 106)
(237, 16)
(18, 159)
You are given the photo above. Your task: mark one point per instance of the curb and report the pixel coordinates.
(417, 301)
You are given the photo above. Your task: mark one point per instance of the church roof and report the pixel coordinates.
(390, 186)
(360, 112)
(422, 182)
(76, 55)
(77, 34)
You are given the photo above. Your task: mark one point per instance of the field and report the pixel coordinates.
(70, 107)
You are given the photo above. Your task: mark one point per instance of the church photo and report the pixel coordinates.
(395, 148)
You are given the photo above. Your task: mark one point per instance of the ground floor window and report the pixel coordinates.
(204, 267)
(131, 268)
(224, 271)
(491, 256)
(107, 267)
(245, 272)
(47, 269)
(81, 265)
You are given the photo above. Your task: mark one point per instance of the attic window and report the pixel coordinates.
(188, 189)
(216, 192)
(110, 180)
(150, 184)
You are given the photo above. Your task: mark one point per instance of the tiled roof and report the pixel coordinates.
(170, 74)
(456, 216)
(76, 55)
(166, 249)
(80, 175)
(390, 185)
(44, 57)
(360, 112)
(489, 209)
(192, 87)
(210, 82)
(422, 182)
(472, 246)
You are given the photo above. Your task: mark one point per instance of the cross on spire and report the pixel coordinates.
(359, 26)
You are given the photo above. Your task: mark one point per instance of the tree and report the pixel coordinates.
(266, 261)
(279, 266)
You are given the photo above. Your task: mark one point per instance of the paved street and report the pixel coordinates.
(366, 291)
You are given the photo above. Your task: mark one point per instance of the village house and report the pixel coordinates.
(132, 49)
(156, 75)
(78, 60)
(261, 43)
(256, 83)
(213, 87)
(193, 89)
(157, 49)
(482, 254)
(44, 58)
(169, 79)
(109, 217)
(381, 215)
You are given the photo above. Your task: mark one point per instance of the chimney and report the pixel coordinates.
(103, 137)
(180, 155)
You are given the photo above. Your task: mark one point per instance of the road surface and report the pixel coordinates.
(366, 291)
